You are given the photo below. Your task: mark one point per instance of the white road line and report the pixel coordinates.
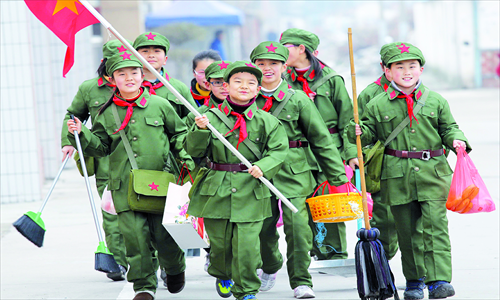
(127, 292)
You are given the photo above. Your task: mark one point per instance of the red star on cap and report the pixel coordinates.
(404, 48)
(271, 48)
(126, 55)
(250, 65)
(121, 49)
(223, 65)
(154, 186)
(150, 36)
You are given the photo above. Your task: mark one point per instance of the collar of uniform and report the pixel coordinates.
(281, 91)
(393, 91)
(226, 108)
(383, 82)
(309, 75)
(213, 101)
(165, 74)
(143, 99)
(101, 80)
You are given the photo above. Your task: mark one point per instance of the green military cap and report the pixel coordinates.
(121, 60)
(242, 66)
(112, 47)
(269, 50)
(217, 69)
(402, 51)
(152, 39)
(297, 36)
(384, 49)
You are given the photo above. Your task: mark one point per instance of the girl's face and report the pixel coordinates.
(405, 73)
(294, 53)
(128, 81)
(154, 55)
(217, 87)
(242, 87)
(271, 70)
(199, 72)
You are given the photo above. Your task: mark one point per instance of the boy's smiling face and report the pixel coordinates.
(405, 73)
(242, 87)
(154, 55)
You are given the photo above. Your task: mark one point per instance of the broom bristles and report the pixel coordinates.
(106, 263)
(30, 230)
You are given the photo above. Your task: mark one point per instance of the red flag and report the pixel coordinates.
(64, 18)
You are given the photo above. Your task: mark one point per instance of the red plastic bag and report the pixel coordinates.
(468, 193)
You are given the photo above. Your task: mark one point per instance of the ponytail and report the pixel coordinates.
(101, 70)
(107, 104)
(315, 63)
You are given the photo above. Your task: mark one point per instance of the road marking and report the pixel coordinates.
(127, 291)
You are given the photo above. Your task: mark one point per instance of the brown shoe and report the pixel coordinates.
(143, 296)
(176, 283)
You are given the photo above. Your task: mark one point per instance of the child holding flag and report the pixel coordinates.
(327, 90)
(152, 128)
(233, 204)
(305, 131)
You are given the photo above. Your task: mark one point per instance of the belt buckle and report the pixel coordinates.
(426, 155)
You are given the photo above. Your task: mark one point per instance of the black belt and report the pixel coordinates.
(333, 130)
(298, 144)
(226, 167)
(423, 155)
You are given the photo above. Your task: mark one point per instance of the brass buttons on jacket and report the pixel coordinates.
(432, 113)
(135, 154)
(133, 121)
(97, 102)
(414, 148)
(417, 169)
(156, 122)
(288, 116)
(327, 93)
(386, 117)
(413, 131)
(134, 138)
(233, 190)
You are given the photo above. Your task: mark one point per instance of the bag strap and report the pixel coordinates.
(282, 104)
(230, 124)
(322, 80)
(406, 121)
(125, 141)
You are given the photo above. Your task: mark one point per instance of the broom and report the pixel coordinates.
(374, 276)
(104, 260)
(31, 224)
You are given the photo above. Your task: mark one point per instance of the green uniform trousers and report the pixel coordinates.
(114, 238)
(298, 238)
(422, 228)
(140, 231)
(235, 254)
(329, 240)
(383, 219)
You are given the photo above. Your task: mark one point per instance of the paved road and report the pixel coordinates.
(64, 267)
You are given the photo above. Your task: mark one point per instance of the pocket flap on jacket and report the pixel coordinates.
(151, 182)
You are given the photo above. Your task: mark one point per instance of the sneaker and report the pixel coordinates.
(414, 289)
(118, 276)
(303, 291)
(440, 290)
(207, 262)
(163, 276)
(248, 297)
(267, 281)
(223, 287)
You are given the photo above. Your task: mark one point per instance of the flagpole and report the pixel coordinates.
(184, 101)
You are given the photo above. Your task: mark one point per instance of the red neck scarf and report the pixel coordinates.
(304, 82)
(130, 103)
(240, 123)
(200, 98)
(409, 104)
(152, 87)
(269, 102)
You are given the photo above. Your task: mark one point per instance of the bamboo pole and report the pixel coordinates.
(358, 138)
(185, 102)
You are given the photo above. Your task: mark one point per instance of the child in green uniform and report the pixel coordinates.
(415, 177)
(305, 130)
(91, 95)
(199, 90)
(154, 48)
(326, 88)
(382, 217)
(152, 128)
(233, 204)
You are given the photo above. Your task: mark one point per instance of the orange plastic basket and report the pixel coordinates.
(336, 207)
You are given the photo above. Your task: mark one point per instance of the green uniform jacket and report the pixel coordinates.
(372, 90)
(181, 110)
(334, 105)
(237, 196)
(91, 95)
(404, 180)
(202, 110)
(154, 130)
(301, 119)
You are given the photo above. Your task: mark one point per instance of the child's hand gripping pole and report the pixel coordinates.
(184, 101)
(358, 139)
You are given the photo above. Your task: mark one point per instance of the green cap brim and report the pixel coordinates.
(402, 57)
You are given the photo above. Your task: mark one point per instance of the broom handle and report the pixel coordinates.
(358, 138)
(87, 182)
(54, 184)
(186, 103)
